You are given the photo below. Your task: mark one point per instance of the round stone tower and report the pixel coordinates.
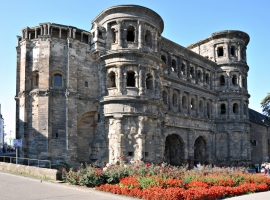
(125, 44)
(228, 49)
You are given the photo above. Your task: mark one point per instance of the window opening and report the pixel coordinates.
(174, 99)
(192, 104)
(201, 106)
(191, 72)
(208, 110)
(220, 51)
(111, 80)
(56, 135)
(148, 38)
(78, 36)
(222, 109)
(113, 35)
(207, 79)
(184, 102)
(57, 80)
(174, 65)
(234, 80)
(130, 153)
(163, 58)
(130, 34)
(222, 80)
(85, 39)
(36, 80)
(199, 74)
(100, 35)
(183, 69)
(233, 50)
(235, 108)
(164, 97)
(131, 79)
(86, 84)
(243, 82)
(146, 154)
(149, 82)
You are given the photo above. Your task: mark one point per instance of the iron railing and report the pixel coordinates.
(27, 161)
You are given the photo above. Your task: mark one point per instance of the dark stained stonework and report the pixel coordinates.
(123, 90)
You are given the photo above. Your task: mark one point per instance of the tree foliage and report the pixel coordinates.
(265, 103)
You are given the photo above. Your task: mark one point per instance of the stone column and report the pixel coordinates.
(48, 26)
(140, 40)
(170, 94)
(239, 53)
(229, 108)
(229, 136)
(60, 32)
(141, 78)
(74, 33)
(120, 135)
(203, 77)
(69, 32)
(180, 101)
(140, 138)
(120, 33)
(188, 70)
(154, 41)
(228, 50)
(188, 102)
(81, 36)
(35, 33)
(191, 147)
(120, 80)
(197, 105)
(241, 109)
(45, 29)
(41, 30)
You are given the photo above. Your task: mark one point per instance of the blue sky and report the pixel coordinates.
(186, 22)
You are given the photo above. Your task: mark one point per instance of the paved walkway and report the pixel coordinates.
(14, 187)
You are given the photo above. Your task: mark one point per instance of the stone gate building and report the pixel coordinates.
(121, 89)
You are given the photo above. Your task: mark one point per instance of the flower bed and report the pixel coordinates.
(150, 181)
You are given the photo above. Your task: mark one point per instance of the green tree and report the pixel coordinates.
(265, 103)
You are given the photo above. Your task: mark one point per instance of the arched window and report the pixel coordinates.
(148, 38)
(235, 108)
(149, 81)
(233, 50)
(208, 109)
(130, 34)
(111, 80)
(163, 58)
(223, 109)
(174, 99)
(199, 74)
(192, 104)
(222, 80)
(234, 80)
(165, 97)
(191, 71)
(201, 106)
(174, 66)
(184, 102)
(57, 80)
(207, 78)
(220, 51)
(183, 69)
(113, 35)
(131, 79)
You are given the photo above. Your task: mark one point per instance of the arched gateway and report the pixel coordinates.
(174, 147)
(200, 151)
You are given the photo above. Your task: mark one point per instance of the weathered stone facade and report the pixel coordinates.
(123, 90)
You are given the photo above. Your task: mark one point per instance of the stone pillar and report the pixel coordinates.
(239, 53)
(241, 109)
(120, 80)
(74, 33)
(229, 136)
(180, 101)
(35, 33)
(229, 108)
(170, 94)
(140, 41)
(191, 147)
(228, 50)
(188, 102)
(154, 41)
(140, 139)
(188, 70)
(141, 78)
(69, 32)
(197, 105)
(203, 77)
(60, 32)
(120, 33)
(41, 30)
(81, 36)
(45, 29)
(48, 26)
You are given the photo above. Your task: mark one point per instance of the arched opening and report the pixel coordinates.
(174, 150)
(174, 66)
(57, 80)
(148, 38)
(191, 72)
(200, 154)
(222, 80)
(223, 109)
(235, 108)
(234, 80)
(165, 97)
(192, 104)
(174, 99)
(149, 81)
(111, 80)
(183, 69)
(199, 74)
(201, 106)
(131, 79)
(163, 58)
(207, 78)
(233, 50)
(86, 131)
(184, 102)
(130, 34)
(220, 51)
(208, 109)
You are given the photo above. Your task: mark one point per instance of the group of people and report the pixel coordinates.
(265, 168)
